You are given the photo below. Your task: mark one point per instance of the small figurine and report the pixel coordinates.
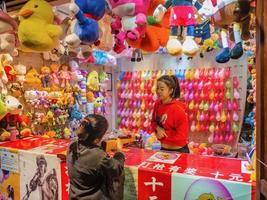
(45, 76)
(64, 75)
(54, 75)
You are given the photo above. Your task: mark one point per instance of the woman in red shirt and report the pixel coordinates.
(170, 121)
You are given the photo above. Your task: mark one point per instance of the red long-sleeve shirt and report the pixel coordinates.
(173, 118)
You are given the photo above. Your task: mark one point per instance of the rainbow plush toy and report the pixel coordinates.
(85, 29)
(36, 30)
(129, 21)
(182, 14)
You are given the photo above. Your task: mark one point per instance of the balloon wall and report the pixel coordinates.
(214, 95)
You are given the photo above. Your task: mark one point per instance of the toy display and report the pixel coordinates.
(36, 30)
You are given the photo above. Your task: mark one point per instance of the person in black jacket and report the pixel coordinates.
(93, 174)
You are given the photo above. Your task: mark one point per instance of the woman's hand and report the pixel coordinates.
(160, 133)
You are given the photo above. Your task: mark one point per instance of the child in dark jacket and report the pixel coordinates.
(93, 174)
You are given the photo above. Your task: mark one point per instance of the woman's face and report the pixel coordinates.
(163, 91)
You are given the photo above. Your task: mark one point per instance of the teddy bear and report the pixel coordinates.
(85, 29)
(8, 33)
(129, 21)
(182, 14)
(21, 71)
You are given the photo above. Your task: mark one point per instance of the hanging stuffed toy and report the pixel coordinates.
(156, 34)
(8, 33)
(182, 14)
(202, 32)
(224, 13)
(36, 30)
(129, 21)
(85, 29)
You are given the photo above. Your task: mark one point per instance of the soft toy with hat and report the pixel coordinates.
(8, 33)
(182, 14)
(85, 29)
(36, 30)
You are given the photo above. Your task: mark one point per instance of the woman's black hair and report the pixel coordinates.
(173, 83)
(94, 127)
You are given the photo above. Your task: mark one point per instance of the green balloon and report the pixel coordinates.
(228, 94)
(228, 84)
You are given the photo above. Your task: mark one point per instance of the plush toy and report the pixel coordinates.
(202, 32)
(54, 76)
(6, 60)
(93, 81)
(36, 30)
(21, 71)
(75, 114)
(98, 103)
(129, 21)
(4, 135)
(182, 14)
(85, 29)
(3, 76)
(3, 109)
(8, 35)
(157, 34)
(64, 75)
(223, 14)
(32, 78)
(15, 89)
(45, 76)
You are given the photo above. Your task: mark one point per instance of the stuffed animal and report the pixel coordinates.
(3, 109)
(93, 81)
(32, 78)
(4, 135)
(157, 34)
(36, 30)
(3, 76)
(21, 71)
(64, 75)
(85, 29)
(8, 35)
(225, 13)
(129, 21)
(182, 14)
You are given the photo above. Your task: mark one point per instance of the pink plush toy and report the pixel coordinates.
(64, 75)
(129, 20)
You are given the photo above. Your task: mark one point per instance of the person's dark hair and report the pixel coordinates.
(94, 127)
(173, 83)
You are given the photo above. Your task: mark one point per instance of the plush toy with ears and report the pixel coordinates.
(182, 14)
(129, 21)
(85, 29)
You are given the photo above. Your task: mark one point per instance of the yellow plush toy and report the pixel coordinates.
(36, 30)
(32, 78)
(93, 81)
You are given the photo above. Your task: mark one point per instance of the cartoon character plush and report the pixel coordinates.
(182, 14)
(8, 33)
(157, 34)
(129, 21)
(32, 78)
(36, 30)
(21, 71)
(223, 14)
(45, 76)
(85, 29)
(11, 121)
(93, 81)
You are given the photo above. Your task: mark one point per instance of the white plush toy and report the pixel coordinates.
(21, 71)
